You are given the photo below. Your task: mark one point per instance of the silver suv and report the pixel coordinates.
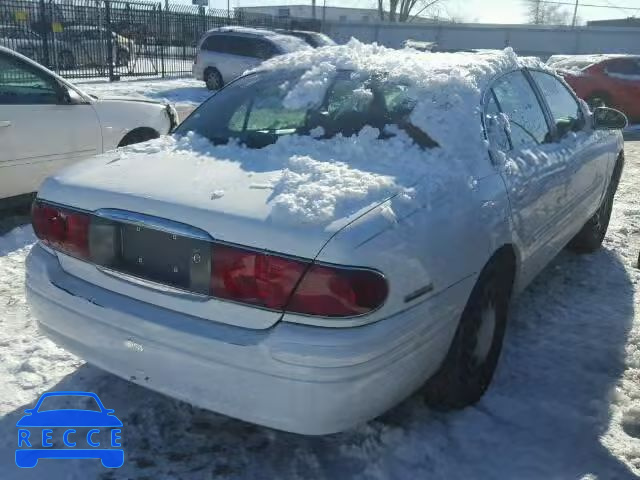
(225, 53)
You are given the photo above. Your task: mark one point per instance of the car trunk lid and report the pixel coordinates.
(165, 217)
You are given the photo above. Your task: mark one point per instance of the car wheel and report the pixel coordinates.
(66, 60)
(598, 100)
(213, 79)
(138, 136)
(472, 358)
(590, 237)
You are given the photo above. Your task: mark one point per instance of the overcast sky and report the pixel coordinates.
(485, 11)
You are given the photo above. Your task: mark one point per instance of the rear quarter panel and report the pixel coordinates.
(424, 246)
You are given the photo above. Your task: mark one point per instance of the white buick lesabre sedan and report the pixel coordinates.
(327, 234)
(47, 123)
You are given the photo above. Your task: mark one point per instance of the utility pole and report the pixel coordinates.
(575, 14)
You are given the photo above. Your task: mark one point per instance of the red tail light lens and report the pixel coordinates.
(338, 292)
(64, 230)
(293, 285)
(253, 277)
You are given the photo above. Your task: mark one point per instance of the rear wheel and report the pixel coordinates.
(138, 136)
(473, 356)
(213, 79)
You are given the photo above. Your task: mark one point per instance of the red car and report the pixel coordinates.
(604, 80)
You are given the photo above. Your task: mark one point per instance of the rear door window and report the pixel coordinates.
(565, 109)
(527, 124)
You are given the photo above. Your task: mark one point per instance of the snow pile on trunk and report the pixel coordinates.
(314, 182)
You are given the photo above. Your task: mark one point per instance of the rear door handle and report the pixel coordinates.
(5, 123)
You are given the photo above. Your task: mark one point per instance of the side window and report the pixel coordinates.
(20, 85)
(526, 121)
(263, 49)
(564, 107)
(214, 43)
(242, 46)
(622, 67)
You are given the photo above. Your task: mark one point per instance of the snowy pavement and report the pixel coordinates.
(565, 403)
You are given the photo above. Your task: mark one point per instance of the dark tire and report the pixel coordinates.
(468, 368)
(138, 136)
(590, 237)
(123, 58)
(598, 99)
(213, 79)
(66, 60)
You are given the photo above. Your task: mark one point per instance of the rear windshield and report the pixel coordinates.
(259, 108)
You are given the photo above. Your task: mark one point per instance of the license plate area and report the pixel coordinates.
(152, 254)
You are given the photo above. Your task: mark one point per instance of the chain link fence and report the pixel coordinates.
(116, 38)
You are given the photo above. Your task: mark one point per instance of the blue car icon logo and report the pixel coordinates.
(92, 431)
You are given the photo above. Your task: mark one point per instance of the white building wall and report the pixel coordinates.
(526, 40)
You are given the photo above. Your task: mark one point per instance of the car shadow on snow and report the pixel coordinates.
(543, 417)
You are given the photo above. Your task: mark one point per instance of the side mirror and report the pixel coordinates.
(68, 96)
(609, 119)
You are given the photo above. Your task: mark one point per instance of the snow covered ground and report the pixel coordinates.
(565, 403)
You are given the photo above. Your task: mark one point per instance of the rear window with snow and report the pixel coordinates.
(261, 107)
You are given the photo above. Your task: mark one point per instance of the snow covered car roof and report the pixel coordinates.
(324, 180)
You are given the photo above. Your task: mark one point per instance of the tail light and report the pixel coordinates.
(293, 285)
(238, 274)
(64, 230)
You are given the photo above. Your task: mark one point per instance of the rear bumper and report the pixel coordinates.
(297, 378)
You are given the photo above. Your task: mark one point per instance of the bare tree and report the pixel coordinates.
(542, 13)
(404, 10)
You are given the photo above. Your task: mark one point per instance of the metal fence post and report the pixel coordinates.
(162, 14)
(45, 24)
(107, 19)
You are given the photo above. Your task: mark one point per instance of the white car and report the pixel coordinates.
(47, 123)
(326, 234)
(227, 52)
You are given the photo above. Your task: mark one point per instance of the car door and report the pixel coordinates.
(39, 133)
(537, 183)
(586, 153)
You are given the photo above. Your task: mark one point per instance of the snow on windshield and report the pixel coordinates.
(317, 181)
